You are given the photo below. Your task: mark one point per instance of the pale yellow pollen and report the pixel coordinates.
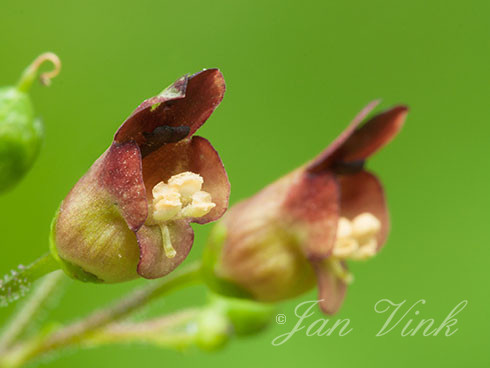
(365, 226)
(345, 247)
(180, 198)
(344, 228)
(166, 202)
(187, 183)
(367, 250)
(201, 205)
(356, 239)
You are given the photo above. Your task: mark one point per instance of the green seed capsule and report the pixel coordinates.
(21, 133)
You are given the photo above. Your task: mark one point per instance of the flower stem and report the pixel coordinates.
(30, 309)
(15, 284)
(78, 331)
(174, 331)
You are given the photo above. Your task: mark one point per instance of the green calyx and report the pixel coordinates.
(69, 268)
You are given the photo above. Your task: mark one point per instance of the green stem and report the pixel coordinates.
(30, 309)
(78, 331)
(15, 285)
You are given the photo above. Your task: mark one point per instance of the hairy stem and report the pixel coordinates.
(15, 284)
(76, 332)
(173, 331)
(30, 309)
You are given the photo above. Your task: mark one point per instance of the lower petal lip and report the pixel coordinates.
(154, 263)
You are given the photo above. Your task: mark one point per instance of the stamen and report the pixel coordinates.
(365, 226)
(366, 251)
(344, 228)
(200, 206)
(181, 198)
(187, 184)
(356, 239)
(166, 202)
(340, 271)
(170, 252)
(345, 248)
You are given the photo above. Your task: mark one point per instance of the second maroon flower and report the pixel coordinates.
(304, 227)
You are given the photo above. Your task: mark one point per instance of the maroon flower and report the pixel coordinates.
(303, 228)
(130, 214)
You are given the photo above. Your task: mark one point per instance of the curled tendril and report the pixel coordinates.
(32, 70)
(46, 77)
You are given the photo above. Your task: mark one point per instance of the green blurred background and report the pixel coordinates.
(296, 73)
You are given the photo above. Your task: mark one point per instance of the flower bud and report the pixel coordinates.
(21, 133)
(302, 229)
(212, 329)
(247, 317)
(223, 317)
(130, 214)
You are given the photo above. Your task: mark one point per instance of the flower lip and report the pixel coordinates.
(352, 167)
(356, 143)
(328, 156)
(160, 136)
(171, 117)
(174, 114)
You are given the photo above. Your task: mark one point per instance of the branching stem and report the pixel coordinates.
(76, 332)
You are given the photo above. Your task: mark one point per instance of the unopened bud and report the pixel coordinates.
(213, 330)
(247, 317)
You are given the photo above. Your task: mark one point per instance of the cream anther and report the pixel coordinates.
(166, 202)
(365, 226)
(180, 198)
(356, 239)
(201, 205)
(187, 183)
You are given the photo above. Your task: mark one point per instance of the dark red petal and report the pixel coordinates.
(153, 261)
(362, 192)
(187, 103)
(331, 289)
(196, 155)
(329, 155)
(312, 209)
(120, 173)
(373, 135)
